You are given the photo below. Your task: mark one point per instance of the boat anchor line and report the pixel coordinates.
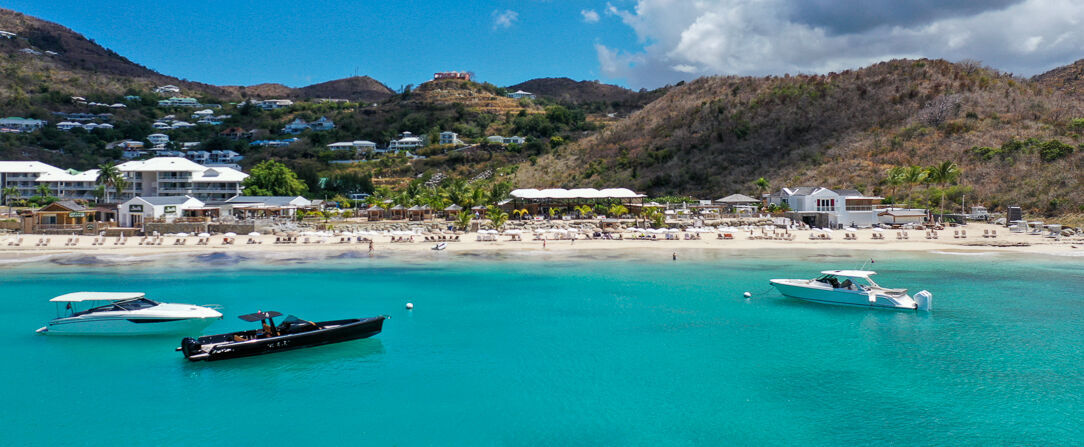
(762, 292)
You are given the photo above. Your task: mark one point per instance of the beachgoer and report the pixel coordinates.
(543, 243)
(675, 256)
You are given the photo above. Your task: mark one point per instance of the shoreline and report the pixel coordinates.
(1005, 243)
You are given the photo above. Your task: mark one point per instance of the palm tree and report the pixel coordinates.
(109, 175)
(895, 177)
(584, 210)
(497, 216)
(462, 220)
(43, 190)
(9, 192)
(618, 210)
(657, 218)
(913, 176)
(944, 173)
(762, 185)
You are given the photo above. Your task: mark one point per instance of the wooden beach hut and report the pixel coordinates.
(419, 212)
(374, 213)
(397, 212)
(452, 211)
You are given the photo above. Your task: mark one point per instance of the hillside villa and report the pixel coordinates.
(406, 142)
(520, 94)
(448, 138)
(19, 124)
(299, 125)
(497, 139)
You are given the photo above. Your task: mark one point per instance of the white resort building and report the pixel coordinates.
(138, 210)
(823, 207)
(160, 176)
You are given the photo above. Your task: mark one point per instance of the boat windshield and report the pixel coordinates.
(121, 306)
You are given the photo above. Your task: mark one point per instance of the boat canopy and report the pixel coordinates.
(78, 297)
(259, 316)
(850, 273)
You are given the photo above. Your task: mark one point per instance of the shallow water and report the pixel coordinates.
(587, 349)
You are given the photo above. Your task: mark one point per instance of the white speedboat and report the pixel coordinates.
(852, 288)
(125, 313)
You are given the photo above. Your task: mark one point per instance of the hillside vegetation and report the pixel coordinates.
(714, 136)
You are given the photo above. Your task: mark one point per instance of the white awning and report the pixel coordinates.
(76, 297)
(850, 273)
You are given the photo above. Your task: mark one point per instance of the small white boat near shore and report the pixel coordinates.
(125, 313)
(855, 289)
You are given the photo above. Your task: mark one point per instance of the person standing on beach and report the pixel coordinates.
(370, 248)
(543, 243)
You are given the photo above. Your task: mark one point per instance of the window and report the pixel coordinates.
(826, 204)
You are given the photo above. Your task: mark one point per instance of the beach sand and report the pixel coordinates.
(973, 243)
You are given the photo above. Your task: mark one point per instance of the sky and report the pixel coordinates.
(634, 43)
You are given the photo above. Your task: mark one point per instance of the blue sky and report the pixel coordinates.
(636, 43)
(301, 43)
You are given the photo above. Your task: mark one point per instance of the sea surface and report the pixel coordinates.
(534, 349)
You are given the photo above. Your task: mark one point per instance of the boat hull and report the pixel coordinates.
(224, 348)
(806, 291)
(121, 326)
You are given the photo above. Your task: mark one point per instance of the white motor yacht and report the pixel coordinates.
(852, 288)
(125, 313)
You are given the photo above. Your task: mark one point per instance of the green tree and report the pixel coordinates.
(271, 178)
(9, 193)
(111, 177)
(43, 190)
(497, 216)
(462, 220)
(944, 173)
(762, 185)
(914, 175)
(618, 210)
(654, 215)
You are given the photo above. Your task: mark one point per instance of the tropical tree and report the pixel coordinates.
(111, 177)
(462, 220)
(895, 177)
(519, 213)
(497, 216)
(618, 210)
(43, 190)
(9, 193)
(762, 185)
(914, 175)
(99, 192)
(271, 178)
(653, 215)
(554, 212)
(499, 191)
(944, 173)
(584, 210)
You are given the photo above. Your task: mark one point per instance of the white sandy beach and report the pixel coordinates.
(974, 242)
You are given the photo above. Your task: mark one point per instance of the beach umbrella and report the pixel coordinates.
(255, 233)
(879, 230)
(182, 234)
(204, 235)
(230, 234)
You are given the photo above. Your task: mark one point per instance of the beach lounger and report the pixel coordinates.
(993, 233)
(934, 234)
(963, 234)
(19, 242)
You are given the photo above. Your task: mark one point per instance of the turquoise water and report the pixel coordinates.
(533, 350)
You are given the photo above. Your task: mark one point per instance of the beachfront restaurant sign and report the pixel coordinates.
(77, 214)
(135, 208)
(171, 209)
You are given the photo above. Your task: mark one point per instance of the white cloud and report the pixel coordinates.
(589, 15)
(504, 19)
(682, 39)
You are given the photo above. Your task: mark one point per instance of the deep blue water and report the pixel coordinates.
(534, 350)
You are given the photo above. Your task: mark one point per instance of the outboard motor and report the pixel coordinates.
(189, 345)
(924, 300)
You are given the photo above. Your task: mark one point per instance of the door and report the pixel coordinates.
(137, 221)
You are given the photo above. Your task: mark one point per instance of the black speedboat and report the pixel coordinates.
(293, 333)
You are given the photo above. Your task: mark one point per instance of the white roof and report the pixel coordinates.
(76, 297)
(219, 174)
(66, 176)
(161, 164)
(12, 167)
(578, 193)
(850, 273)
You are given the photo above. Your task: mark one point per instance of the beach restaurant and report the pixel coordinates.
(248, 207)
(539, 202)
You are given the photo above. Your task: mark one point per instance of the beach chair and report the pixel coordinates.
(934, 234)
(993, 233)
(19, 241)
(963, 234)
